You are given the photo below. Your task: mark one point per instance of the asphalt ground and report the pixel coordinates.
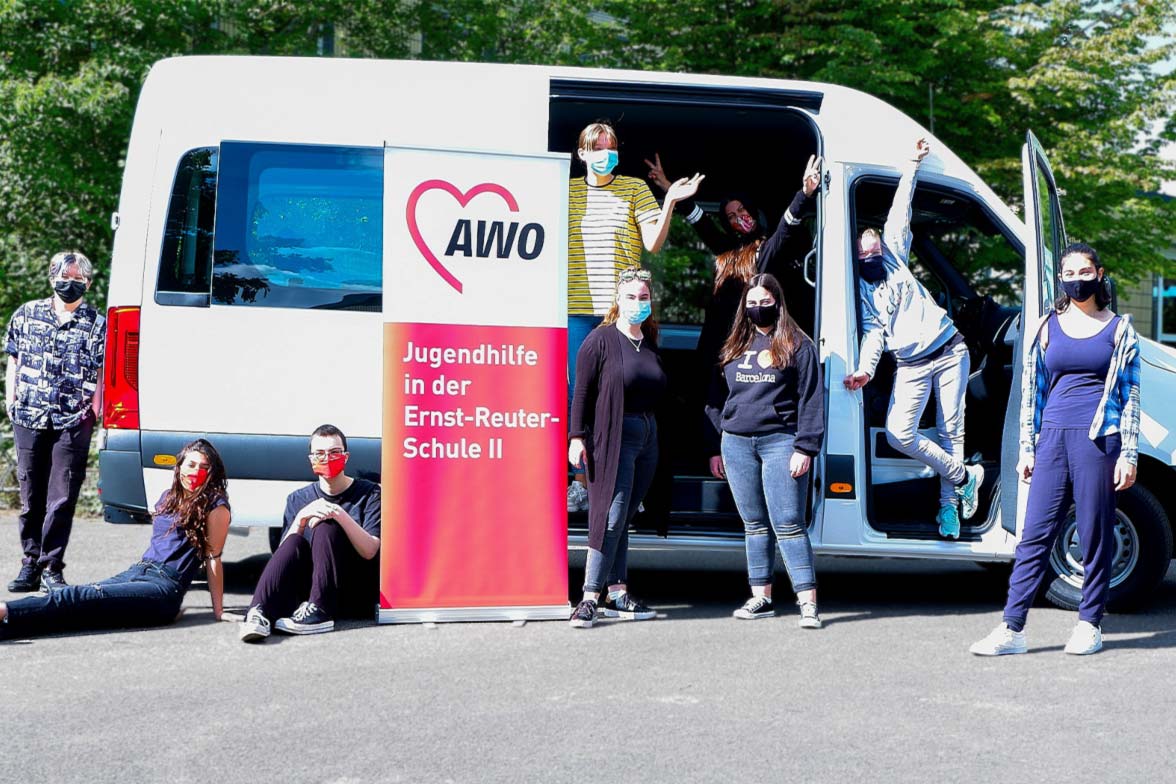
(886, 692)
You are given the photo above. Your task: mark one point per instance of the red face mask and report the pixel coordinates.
(197, 478)
(332, 468)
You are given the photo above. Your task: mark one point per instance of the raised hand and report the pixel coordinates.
(812, 175)
(684, 188)
(657, 174)
(922, 149)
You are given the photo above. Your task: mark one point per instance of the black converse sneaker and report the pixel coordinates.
(307, 619)
(626, 608)
(755, 608)
(584, 616)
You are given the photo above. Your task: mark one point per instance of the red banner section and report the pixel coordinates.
(474, 444)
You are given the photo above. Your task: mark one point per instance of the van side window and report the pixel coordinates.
(185, 260)
(299, 226)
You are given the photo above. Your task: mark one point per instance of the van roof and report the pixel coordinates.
(353, 101)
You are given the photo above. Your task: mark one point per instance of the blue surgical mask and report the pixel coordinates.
(601, 162)
(635, 311)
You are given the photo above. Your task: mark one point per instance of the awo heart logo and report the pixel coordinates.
(496, 231)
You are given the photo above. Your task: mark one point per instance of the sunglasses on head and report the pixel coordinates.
(634, 273)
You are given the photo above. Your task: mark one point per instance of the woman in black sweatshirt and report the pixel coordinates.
(767, 403)
(619, 384)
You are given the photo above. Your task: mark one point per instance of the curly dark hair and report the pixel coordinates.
(191, 507)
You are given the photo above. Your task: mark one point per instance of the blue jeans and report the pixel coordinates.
(147, 594)
(578, 329)
(634, 476)
(771, 503)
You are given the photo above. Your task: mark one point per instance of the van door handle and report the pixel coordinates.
(812, 281)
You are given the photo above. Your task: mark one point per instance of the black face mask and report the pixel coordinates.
(1081, 290)
(763, 315)
(69, 291)
(872, 269)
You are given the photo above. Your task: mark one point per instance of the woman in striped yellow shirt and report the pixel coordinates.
(611, 217)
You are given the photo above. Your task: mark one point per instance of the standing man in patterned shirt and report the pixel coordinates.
(611, 217)
(55, 349)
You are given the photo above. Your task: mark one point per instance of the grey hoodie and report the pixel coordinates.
(898, 314)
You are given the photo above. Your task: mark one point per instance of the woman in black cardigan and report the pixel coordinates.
(619, 383)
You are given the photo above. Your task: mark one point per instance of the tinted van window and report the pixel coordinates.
(185, 260)
(299, 226)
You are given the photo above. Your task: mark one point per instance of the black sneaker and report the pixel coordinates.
(52, 580)
(584, 615)
(28, 580)
(626, 608)
(755, 608)
(309, 618)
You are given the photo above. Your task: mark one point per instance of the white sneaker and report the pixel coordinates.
(1001, 642)
(969, 493)
(577, 497)
(255, 626)
(808, 616)
(1085, 639)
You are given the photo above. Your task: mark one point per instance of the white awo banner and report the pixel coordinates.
(475, 386)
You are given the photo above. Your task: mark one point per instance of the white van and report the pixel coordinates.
(245, 290)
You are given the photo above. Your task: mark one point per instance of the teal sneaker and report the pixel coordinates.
(969, 493)
(949, 522)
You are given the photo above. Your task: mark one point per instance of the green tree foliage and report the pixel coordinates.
(1080, 73)
(1084, 75)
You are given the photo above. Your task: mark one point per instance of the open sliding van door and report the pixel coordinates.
(1045, 236)
(778, 129)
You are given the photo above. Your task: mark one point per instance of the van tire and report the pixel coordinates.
(275, 537)
(1143, 540)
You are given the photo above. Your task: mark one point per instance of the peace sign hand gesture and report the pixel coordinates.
(656, 173)
(812, 175)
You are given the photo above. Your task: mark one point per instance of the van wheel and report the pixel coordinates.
(275, 537)
(1143, 549)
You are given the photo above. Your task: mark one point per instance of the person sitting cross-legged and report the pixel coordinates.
(326, 565)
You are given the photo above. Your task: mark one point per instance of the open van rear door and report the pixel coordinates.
(1045, 237)
(1046, 233)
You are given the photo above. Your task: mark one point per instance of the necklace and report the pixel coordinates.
(635, 343)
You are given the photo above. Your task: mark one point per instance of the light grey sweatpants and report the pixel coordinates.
(947, 377)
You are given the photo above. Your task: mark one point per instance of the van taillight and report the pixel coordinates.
(120, 396)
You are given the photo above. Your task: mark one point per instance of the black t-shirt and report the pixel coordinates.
(644, 379)
(361, 500)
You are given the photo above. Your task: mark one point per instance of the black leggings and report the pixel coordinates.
(326, 570)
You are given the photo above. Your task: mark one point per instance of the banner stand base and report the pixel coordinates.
(549, 612)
